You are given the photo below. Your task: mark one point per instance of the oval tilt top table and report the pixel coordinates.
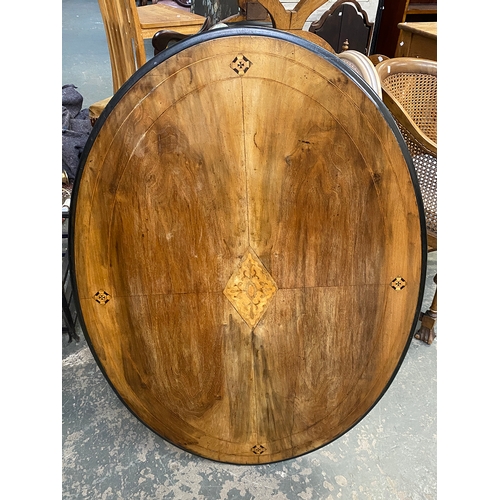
(248, 246)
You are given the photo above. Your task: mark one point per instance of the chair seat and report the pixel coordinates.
(153, 18)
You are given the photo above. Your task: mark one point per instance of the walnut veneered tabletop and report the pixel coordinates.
(247, 246)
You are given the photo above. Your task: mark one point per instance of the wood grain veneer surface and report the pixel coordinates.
(247, 248)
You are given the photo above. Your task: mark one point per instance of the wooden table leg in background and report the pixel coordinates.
(426, 332)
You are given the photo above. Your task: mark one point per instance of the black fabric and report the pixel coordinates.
(76, 128)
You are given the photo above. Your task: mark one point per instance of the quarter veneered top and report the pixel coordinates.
(247, 246)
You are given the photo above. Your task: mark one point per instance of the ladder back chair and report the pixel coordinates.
(127, 27)
(125, 41)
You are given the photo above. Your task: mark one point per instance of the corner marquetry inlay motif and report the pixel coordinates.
(250, 289)
(240, 64)
(258, 449)
(102, 297)
(398, 283)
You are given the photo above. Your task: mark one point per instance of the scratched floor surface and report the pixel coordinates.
(391, 454)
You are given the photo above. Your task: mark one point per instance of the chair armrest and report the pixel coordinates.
(406, 122)
(163, 38)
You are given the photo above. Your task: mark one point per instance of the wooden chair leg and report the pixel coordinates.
(69, 318)
(426, 332)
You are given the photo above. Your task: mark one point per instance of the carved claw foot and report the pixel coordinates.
(426, 332)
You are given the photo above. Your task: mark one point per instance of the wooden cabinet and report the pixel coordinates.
(421, 7)
(417, 40)
(400, 11)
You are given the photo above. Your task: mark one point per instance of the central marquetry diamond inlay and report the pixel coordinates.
(250, 289)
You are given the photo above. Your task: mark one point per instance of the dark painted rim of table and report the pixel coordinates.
(338, 63)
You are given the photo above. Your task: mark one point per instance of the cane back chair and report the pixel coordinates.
(409, 89)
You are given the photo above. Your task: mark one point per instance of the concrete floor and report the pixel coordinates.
(108, 454)
(390, 454)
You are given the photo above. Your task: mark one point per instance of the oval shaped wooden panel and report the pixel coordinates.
(247, 246)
